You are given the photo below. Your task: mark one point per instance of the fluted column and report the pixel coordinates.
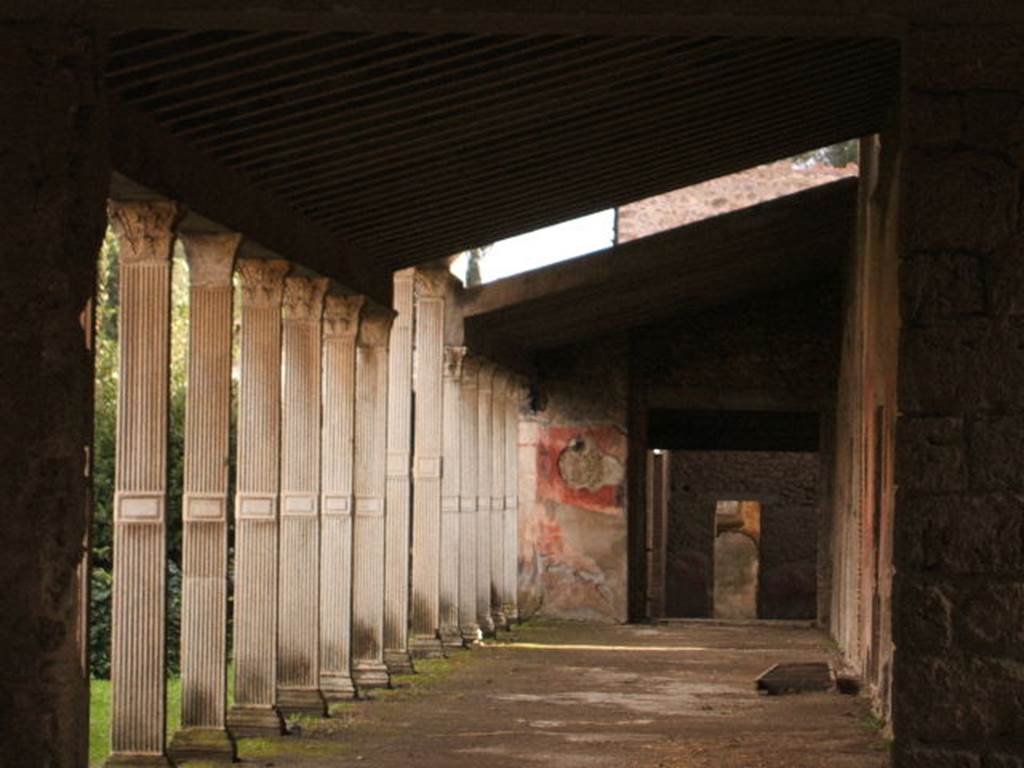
(499, 387)
(484, 464)
(298, 627)
(515, 395)
(256, 505)
(469, 624)
(368, 669)
(451, 479)
(340, 324)
(211, 258)
(145, 234)
(428, 366)
(399, 487)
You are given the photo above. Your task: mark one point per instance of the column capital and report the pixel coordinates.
(211, 257)
(341, 315)
(144, 228)
(453, 360)
(304, 298)
(375, 327)
(262, 281)
(434, 282)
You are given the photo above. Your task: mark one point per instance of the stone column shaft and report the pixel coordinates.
(256, 505)
(469, 382)
(513, 400)
(399, 502)
(450, 498)
(368, 573)
(340, 324)
(145, 234)
(204, 527)
(298, 648)
(427, 447)
(485, 461)
(499, 388)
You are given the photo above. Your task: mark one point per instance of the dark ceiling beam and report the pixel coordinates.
(761, 248)
(735, 17)
(146, 154)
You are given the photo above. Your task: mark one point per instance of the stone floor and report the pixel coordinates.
(677, 695)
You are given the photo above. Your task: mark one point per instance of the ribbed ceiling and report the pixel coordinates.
(414, 146)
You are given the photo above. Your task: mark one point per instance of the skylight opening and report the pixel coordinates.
(649, 216)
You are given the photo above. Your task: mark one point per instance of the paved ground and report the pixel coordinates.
(583, 696)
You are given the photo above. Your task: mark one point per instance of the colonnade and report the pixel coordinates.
(375, 513)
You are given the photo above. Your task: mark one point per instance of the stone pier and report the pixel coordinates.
(514, 396)
(469, 382)
(399, 484)
(340, 325)
(203, 733)
(369, 480)
(484, 464)
(298, 645)
(430, 286)
(145, 232)
(499, 388)
(451, 516)
(256, 506)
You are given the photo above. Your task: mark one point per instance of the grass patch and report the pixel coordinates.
(290, 746)
(100, 695)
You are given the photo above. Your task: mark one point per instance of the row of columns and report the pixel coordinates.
(368, 440)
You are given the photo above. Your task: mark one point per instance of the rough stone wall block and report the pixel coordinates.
(958, 602)
(256, 505)
(340, 325)
(211, 259)
(485, 461)
(145, 232)
(369, 482)
(54, 189)
(499, 391)
(451, 480)
(298, 648)
(399, 483)
(428, 364)
(469, 625)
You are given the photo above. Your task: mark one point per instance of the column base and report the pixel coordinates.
(487, 626)
(370, 674)
(141, 761)
(511, 614)
(198, 743)
(499, 619)
(451, 637)
(426, 647)
(301, 701)
(399, 663)
(471, 635)
(255, 722)
(337, 687)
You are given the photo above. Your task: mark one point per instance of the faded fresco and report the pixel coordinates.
(573, 527)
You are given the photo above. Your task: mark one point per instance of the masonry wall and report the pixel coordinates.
(572, 554)
(958, 624)
(786, 484)
(53, 190)
(861, 526)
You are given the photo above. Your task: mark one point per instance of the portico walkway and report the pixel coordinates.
(581, 696)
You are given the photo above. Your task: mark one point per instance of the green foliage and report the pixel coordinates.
(837, 155)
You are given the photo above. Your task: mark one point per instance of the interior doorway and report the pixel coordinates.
(737, 559)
